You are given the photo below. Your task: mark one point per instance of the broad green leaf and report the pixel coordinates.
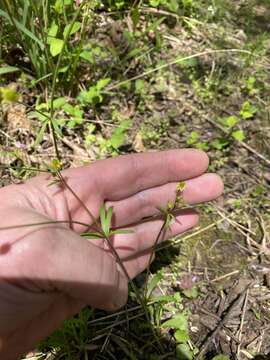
(162, 298)
(63, 69)
(181, 336)
(139, 86)
(118, 136)
(248, 110)
(8, 69)
(87, 55)
(178, 322)
(192, 293)
(117, 139)
(154, 3)
(8, 94)
(59, 103)
(72, 30)
(56, 46)
(231, 121)
(238, 135)
(59, 5)
(172, 5)
(193, 138)
(52, 33)
(69, 109)
(220, 143)
(183, 352)
(102, 83)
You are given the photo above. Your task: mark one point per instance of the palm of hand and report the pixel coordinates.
(48, 272)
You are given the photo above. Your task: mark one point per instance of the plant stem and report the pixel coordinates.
(55, 73)
(43, 223)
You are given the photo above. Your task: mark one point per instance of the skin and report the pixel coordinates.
(48, 272)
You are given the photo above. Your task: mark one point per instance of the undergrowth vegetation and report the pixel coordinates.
(83, 80)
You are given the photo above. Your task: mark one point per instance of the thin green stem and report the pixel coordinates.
(53, 222)
(177, 61)
(55, 74)
(62, 179)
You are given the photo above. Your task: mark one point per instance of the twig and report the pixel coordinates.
(242, 324)
(177, 61)
(235, 272)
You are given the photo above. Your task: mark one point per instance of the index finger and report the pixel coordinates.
(121, 177)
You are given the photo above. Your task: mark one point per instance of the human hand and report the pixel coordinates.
(48, 272)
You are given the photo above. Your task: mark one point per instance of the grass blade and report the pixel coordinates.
(8, 69)
(23, 29)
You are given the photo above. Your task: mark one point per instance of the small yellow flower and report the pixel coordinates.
(181, 186)
(56, 165)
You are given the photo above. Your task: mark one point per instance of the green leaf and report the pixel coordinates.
(248, 110)
(56, 46)
(87, 55)
(117, 139)
(102, 83)
(60, 4)
(231, 121)
(23, 29)
(69, 109)
(153, 283)
(105, 219)
(204, 145)
(154, 3)
(72, 30)
(40, 134)
(220, 143)
(192, 293)
(56, 127)
(193, 138)
(135, 16)
(183, 352)
(181, 336)
(139, 86)
(102, 215)
(93, 235)
(59, 103)
(179, 322)
(162, 298)
(8, 94)
(52, 32)
(238, 135)
(109, 218)
(8, 69)
(221, 357)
